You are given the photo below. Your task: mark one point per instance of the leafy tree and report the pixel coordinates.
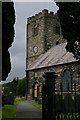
(8, 20)
(6, 89)
(17, 87)
(13, 86)
(20, 90)
(10, 87)
(69, 14)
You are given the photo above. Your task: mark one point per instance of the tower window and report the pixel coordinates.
(35, 30)
(57, 29)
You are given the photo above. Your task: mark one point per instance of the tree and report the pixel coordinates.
(11, 87)
(8, 20)
(20, 90)
(16, 87)
(69, 14)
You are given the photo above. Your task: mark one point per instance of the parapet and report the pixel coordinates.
(44, 13)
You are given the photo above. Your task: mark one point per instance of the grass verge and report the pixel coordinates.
(0, 113)
(17, 99)
(8, 111)
(36, 104)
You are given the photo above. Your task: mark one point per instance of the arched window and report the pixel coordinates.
(35, 29)
(66, 79)
(35, 90)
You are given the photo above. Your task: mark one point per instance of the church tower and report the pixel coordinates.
(43, 31)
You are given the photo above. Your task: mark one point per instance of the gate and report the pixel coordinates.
(59, 104)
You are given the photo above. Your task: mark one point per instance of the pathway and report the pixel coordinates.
(27, 111)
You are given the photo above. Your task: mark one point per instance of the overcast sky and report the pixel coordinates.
(23, 10)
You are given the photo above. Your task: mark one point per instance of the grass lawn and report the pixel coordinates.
(8, 111)
(36, 104)
(0, 113)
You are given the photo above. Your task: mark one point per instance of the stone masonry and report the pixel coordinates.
(43, 31)
(73, 68)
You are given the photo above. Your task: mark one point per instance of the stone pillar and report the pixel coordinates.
(50, 95)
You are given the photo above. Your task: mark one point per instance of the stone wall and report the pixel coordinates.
(59, 69)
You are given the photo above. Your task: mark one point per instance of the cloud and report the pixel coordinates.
(33, 0)
(23, 10)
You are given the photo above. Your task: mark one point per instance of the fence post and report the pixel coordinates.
(75, 96)
(50, 95)
(68, 95)
(44, 102)
(61, 87)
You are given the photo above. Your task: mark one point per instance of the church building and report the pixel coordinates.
(46, 52)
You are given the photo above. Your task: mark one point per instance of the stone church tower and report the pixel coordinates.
(43, 37)
(43, 31)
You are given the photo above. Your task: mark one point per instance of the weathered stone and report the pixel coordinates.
(46, 38)
(46, 24)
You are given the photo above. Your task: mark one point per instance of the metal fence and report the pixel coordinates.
(60, 104)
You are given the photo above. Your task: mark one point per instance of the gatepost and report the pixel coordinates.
(50, 96)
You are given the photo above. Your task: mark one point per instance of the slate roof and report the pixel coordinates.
(54, 56)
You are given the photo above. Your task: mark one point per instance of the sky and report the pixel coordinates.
(23, 10)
